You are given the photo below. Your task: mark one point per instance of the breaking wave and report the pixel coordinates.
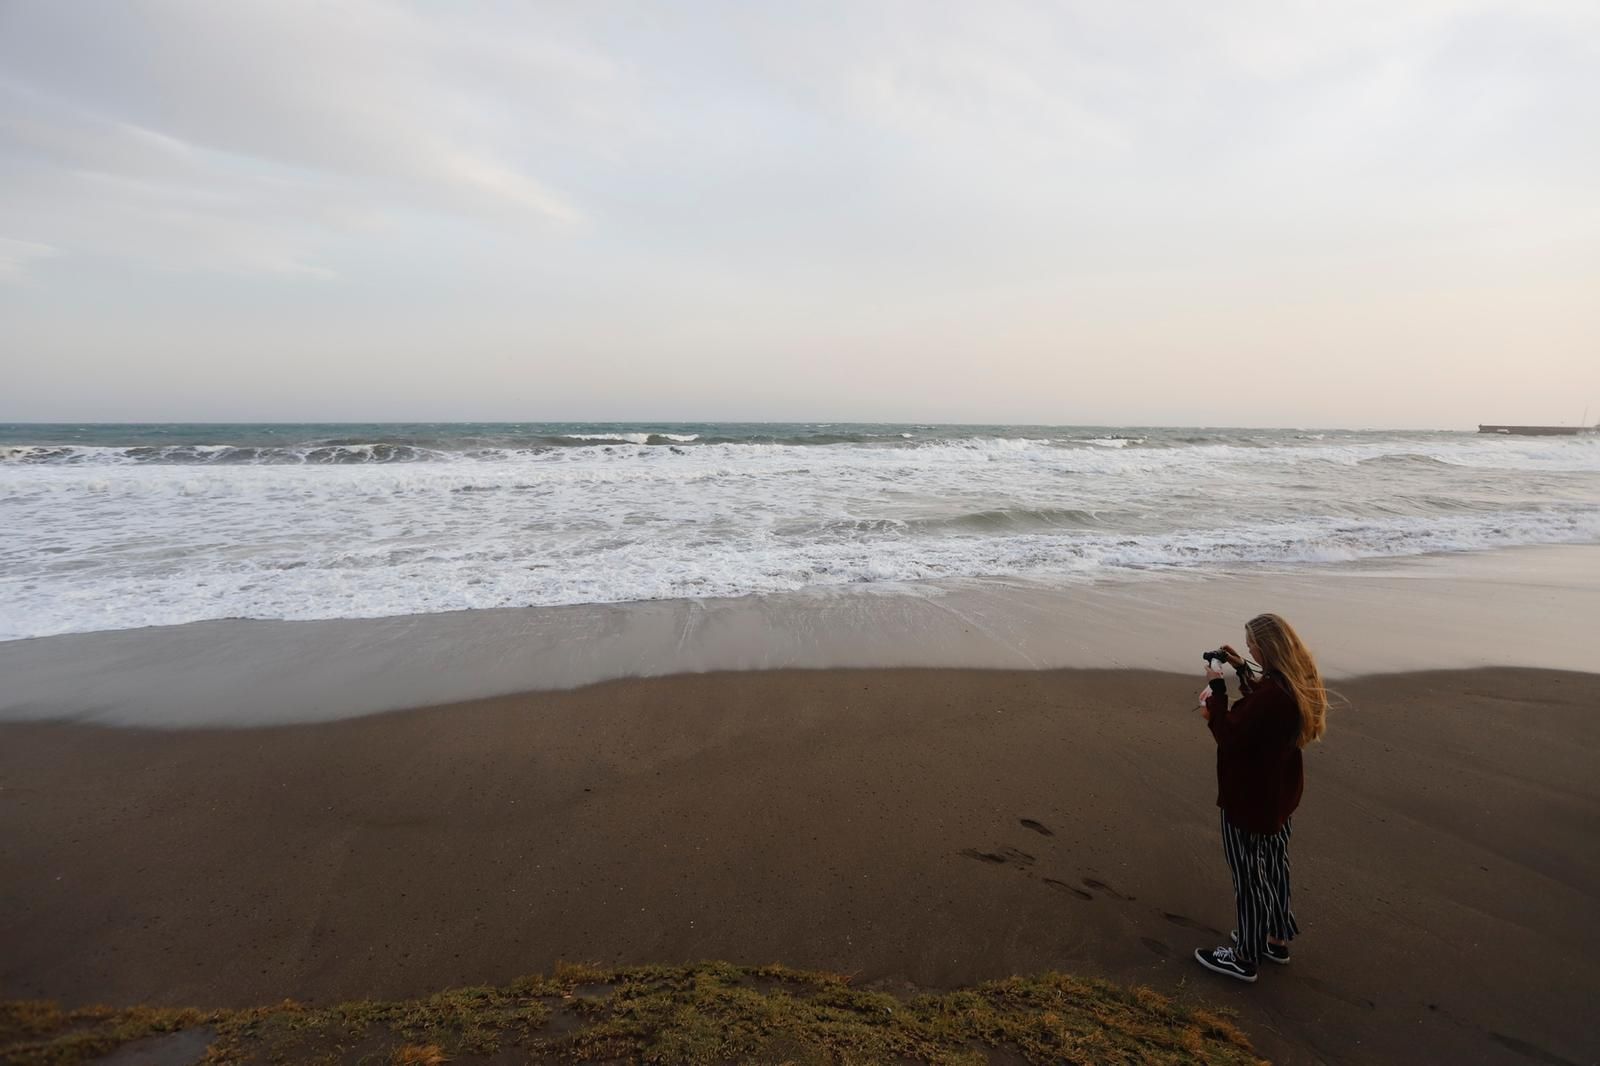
(113, 527)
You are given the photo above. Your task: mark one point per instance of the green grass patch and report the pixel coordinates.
(709, 1013)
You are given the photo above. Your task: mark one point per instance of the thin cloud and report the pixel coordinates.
(16, 255)
(879, 199)
(218, 103)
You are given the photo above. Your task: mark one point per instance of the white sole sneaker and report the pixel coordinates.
(1226, 969)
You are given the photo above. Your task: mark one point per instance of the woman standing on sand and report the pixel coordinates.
(1259, 781)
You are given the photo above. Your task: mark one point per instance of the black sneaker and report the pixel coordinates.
(1278, 953)
(1225, 962)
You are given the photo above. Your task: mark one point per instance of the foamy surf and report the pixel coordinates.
(115, 527)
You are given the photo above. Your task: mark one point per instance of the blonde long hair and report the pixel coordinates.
(1286, 653)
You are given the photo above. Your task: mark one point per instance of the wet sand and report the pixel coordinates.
(1513, 606)
(935, 827)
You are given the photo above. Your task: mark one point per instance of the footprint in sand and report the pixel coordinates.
(1530, 1051)
(1089, 882)
(1037, 827)
(1156, 946)
(1001, 857)
(1190, 923)
(1062, 886)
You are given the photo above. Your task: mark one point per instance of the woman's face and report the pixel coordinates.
(1255, 652)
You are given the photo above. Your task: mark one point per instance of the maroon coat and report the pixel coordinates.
(1259, 771)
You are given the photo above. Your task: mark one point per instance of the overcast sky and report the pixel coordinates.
(1319, 214)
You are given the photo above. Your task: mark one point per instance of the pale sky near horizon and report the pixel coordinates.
(1353, 214)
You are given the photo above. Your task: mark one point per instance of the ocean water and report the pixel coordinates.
(110, 527)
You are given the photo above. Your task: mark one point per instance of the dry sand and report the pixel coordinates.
(936, 827)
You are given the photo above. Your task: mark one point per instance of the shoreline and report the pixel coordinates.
(874, 822)
(1504, 608)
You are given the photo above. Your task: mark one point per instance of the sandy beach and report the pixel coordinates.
(933, 827)
(529, 535)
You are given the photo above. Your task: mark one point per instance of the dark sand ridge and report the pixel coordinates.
(937, 827)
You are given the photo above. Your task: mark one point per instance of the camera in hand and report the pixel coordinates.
(1220, 657)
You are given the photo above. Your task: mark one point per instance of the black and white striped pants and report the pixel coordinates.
(1260, 866)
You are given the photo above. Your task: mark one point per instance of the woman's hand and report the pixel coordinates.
(1235, 660)
(1212, 673)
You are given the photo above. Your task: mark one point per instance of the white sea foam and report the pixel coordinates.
(631, 438)
(109, 537)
